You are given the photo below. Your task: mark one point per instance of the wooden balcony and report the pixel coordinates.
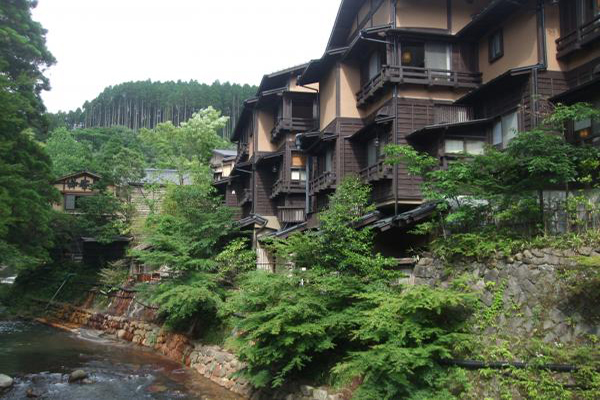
(376, 172)
(418, 76)
(583, 35)
(291, 214)
(284, 125)
(452, 114)
(246, 197)
(323, 182)
(282, 186)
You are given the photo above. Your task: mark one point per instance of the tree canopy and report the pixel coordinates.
(25, 174)
(145, 104)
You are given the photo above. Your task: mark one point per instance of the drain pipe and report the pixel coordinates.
(542, 64)
(59, 289)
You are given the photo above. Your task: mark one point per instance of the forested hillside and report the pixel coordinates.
(145, 104)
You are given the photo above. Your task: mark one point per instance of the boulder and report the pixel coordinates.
(320, 394)
(5, 381)
(77, 375)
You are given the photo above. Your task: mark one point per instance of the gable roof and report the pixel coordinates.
(225, 152)
(279, 79)
(343, 23)
(76, 174)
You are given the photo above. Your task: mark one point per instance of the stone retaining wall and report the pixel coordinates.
(212, 362)
(534, 299)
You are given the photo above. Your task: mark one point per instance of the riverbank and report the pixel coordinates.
(41, 361)
(212, 362)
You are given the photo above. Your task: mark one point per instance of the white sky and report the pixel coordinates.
(98, 43)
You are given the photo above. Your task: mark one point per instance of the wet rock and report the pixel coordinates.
(31, 394)
(320, 394)
(157, 389)
(306, 390)
(77, 375)
(5, 381)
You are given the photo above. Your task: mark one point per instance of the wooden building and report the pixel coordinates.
(445, 76)
(73, 188)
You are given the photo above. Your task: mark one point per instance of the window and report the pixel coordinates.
(458, 146)
(496, 46)
(437, 56)
(298, 167)
(328, 160)
(413, 55)
(505, 129)
(69, 202)
(298, 160)
(298, 174)
(591, 9)
(371, 66)
(372, 150)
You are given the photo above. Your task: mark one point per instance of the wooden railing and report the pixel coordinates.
(322, 182)
(376, 172)
(452, 114)
(291, 214)
(419, 76)
(584, 34)
(246, 197)
(287, 186)
(292, 125)
(242, 151)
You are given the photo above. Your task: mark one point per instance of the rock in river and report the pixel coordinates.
(5, 381)
(77, 375)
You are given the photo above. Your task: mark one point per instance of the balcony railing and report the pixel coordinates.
(419, 76)
(452, 114)
(581, 36)
(242, 151)
(323, 182)
(286, 186)
(376, 172)
(292, 125)
(246, 197)
(291, 214)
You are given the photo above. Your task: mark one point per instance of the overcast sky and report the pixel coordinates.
(98, 43)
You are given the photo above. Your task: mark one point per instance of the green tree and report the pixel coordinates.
(189, 147)
(25, 175)
(68, 155)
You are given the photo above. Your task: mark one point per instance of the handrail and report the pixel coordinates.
(579, 34)
(417, 75)
(377, 171)
(323, 181)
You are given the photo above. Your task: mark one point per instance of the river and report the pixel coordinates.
(40, 358)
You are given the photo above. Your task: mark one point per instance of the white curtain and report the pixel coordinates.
(437, 56)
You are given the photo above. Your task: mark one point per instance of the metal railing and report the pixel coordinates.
(583, 34)
(419, 76)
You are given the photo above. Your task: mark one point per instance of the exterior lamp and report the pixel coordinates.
(407, 57)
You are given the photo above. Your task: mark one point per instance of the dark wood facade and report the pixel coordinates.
(434, 88)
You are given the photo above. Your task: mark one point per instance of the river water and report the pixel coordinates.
(40, 358)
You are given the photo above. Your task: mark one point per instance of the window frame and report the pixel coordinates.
(492, 57)
(499, 122)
